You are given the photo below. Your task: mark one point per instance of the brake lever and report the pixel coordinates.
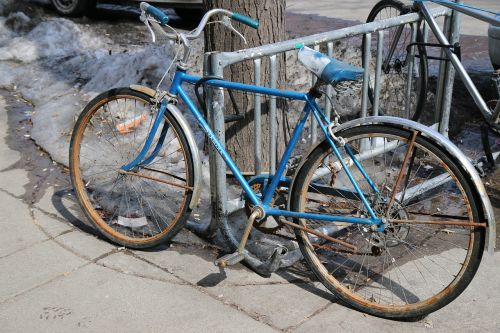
(145, 20)
(227, 22)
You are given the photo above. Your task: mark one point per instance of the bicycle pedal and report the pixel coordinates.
(229, 259)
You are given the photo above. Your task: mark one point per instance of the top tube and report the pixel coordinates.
(181, 76)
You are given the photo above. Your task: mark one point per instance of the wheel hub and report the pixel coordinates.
(393, 234)
(266, 225)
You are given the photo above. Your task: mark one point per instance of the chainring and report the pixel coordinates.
(266, 225)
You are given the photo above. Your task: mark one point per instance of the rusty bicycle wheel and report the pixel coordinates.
(147, 205)
(433, 239)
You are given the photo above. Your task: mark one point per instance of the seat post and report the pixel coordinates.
(315, 91)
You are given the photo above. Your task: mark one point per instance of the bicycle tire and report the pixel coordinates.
(397, 273)
(392, 102)
(74, 8)
(130, 209)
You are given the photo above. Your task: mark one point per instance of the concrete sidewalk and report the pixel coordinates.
(56, 276)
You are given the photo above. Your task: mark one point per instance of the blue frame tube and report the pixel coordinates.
(158, 146)
(183, 77)
(311, 105)
(149, 140)
(348, 150)
(268, 196)
(218, 146)
(342, 162)
(361, 169)
(329, 218)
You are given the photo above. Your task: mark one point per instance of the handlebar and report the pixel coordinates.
(163, 18)
(155, 18)
(245, 20)
(156, 13)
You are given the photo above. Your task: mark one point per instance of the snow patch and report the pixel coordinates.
(60, 66)
(55, 38)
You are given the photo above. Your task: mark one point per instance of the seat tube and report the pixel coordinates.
(286, 155)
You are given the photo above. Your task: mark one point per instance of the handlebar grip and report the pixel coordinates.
(245, 20)
(158, 14)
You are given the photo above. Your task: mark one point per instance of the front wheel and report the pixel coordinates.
(148, 204)
(424, 258)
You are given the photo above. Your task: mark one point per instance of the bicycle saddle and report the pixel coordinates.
(328, 69)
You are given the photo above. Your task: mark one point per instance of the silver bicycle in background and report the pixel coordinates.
(405, 62)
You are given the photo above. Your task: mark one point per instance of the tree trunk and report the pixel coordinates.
(240, 135)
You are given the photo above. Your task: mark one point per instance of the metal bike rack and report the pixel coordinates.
(215, 62)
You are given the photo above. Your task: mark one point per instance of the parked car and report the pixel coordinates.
(494, 45)
(184, 8)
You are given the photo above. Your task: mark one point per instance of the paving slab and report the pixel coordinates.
(279, 305)
(34, 266)
(85, 245)
(54, 202)
(128, 264)
(14, 181)
(186, 237)
(17, 228)
(195, 265)
(53, 227)
(466, 314)
(96, 299)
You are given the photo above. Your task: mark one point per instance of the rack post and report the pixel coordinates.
(448, 72)
(215, 110)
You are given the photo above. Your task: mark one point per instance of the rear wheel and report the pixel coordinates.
(74, 7)
(395, 67)
(424, 258)
(148, 204)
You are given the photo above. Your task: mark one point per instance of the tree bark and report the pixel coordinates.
(240, 135)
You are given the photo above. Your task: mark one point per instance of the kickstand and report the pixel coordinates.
(486, 163)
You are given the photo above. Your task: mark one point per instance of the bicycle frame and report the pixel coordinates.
(455, 60)
(176, 89)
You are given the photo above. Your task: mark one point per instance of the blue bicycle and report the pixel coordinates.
(389, 214)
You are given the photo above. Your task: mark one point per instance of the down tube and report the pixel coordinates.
(218, 146)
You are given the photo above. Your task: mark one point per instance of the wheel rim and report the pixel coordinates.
(65, 5)
(129, 208)
(401, 277)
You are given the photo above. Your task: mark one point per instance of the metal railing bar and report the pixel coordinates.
(329, 88)
(441, 75)
(454, 37)
(409, 78)
(228, 58)
(378, 72)
(367, 56)
(425, 31)
(215, 105)
(381, 147)
(367, 40)
(257, 119)
(420, 189)
(314, 125)
(272, 115)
